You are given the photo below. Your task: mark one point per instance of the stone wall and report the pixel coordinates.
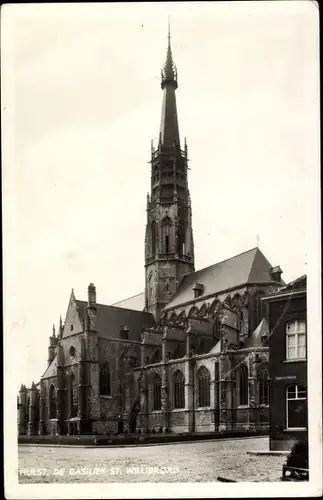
(105, 427)
(179, 421)
(204, 420)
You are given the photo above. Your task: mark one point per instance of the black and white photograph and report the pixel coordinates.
(161, 240)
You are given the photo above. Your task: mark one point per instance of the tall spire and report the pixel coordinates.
(169, 133)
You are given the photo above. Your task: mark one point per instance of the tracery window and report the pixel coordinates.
(52, 402)
(105, 385)
(243, 385)
(73, 396)
(179, 389)
(156, 392)
(203, 377)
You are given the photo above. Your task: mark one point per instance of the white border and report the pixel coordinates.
(16, 491)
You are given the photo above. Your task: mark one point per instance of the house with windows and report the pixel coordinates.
(286, 313)
(189, 354)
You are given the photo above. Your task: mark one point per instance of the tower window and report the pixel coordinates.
(180, 239)
(153, 238)
(167, 243)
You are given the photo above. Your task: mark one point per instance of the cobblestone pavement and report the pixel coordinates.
(200, 461)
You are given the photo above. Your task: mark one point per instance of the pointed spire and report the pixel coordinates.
(60, 326)
(169, 133)
(169, 71)
(54, 331)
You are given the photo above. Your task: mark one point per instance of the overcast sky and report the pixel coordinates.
(82, 101)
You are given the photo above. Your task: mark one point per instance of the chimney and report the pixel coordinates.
(91, 293)
(275, 273)
(91, 308)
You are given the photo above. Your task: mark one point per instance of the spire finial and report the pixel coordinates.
(169, 36)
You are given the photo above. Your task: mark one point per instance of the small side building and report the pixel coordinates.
(286, 314)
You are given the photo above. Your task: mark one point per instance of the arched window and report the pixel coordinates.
(296, 340)
(105, 386)
(296, 407)
(153, 238)
(73, 396)
(52, 402)
(203, 377)
(156, 392)
(179, 389)
(243, 385)
(263, 387)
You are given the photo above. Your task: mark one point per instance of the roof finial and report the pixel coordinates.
(169, 30)
(258, 238)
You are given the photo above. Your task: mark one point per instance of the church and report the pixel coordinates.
(189, 354)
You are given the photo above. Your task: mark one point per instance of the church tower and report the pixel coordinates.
(169, 248)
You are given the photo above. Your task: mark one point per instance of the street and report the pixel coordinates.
(201, 461)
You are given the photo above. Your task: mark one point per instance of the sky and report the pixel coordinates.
(81, 104)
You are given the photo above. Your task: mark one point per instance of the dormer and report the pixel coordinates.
(124, 333)
(198, 290)
(275, 273)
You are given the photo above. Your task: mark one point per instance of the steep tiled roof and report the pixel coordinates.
(111, 319)
(249, 267)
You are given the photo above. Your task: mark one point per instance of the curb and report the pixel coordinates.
(41, 445)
